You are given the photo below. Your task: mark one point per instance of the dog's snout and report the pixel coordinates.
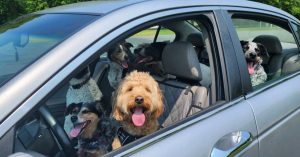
(252, 55)
(139, 100)
(74, 119)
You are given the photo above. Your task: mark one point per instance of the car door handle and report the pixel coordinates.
(231, 144)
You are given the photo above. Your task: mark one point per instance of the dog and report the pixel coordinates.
(118, 56)
(94, 131)
(253, 54)
(82, 89)
(137, 105)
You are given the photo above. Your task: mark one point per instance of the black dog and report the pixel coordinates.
(253, 54)
(94, 131)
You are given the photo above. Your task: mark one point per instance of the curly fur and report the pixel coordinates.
(133, 85)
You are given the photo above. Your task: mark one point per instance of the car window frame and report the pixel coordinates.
(277, 17)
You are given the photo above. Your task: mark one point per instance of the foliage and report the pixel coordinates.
(10, 9)
(290, 6)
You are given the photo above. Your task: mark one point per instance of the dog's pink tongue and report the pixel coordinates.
(250, 68)
(124, 64)
(138, 117)
(76, 131)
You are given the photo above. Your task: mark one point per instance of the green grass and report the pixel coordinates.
(151, 32)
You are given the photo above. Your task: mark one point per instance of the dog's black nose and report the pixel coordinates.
(74, 119)
(252, 55)
(139, 100)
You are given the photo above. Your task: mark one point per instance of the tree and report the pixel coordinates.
(290, 6)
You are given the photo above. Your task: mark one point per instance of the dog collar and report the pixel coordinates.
(125, 137)
(79, 85)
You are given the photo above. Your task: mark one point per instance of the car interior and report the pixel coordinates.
(175, 47)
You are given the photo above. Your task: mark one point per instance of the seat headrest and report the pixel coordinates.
(196, 39)
(272, 43)
(180, 59)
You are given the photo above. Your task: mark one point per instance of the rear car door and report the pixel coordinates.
(275, 103)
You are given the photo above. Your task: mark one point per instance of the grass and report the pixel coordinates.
(151, 32)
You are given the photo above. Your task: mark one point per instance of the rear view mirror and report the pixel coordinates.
(21, 40)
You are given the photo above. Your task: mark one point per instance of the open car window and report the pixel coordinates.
(133, 84)
(269, 47)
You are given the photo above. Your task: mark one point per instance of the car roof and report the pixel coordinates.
(104, 7)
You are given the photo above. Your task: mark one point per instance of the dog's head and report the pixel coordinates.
(85, 118)
(119, 53)
(80, 78)
(253, 54)
(138, 99)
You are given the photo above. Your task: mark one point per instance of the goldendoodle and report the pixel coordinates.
(137, 105)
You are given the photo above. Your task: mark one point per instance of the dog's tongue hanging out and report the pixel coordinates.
(250, 68)
(138, 117)
(124, 64)
(76, 130)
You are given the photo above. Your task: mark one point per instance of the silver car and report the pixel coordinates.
(192, 44)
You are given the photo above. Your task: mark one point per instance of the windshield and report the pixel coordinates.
(27, 38)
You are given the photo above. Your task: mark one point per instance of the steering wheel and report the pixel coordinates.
(58, 131)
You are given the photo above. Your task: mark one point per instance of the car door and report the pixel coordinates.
(275, 103)
(226, 128)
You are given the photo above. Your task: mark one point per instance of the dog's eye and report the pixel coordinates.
(256, 49)
(129, 89)
(85, 111)
(148, 89)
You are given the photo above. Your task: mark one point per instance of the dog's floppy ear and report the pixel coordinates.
(263, 50)
(70, 108)
(243, 42)
(116, 113)
(128, 45)
(160, 102)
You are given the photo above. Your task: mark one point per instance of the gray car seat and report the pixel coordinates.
(197, 40)
(183, 95)
(274, 48)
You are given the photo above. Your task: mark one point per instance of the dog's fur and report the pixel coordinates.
(94, 131)
(82, 89)
(137, 94)
(118, 56)
(253, 54)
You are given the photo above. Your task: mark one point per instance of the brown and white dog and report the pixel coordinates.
(137, 105)
(253, 54)
(94, 131)
(118, 55)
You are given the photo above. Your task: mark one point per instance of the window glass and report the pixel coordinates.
(25, 39)
(147, 36)
(268, 47)
(165, 35)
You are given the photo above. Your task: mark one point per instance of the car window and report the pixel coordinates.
(148, 36)
(105, 89)
(268, 47)
(25, 39)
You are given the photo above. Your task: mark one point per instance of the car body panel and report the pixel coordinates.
(278, 117)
